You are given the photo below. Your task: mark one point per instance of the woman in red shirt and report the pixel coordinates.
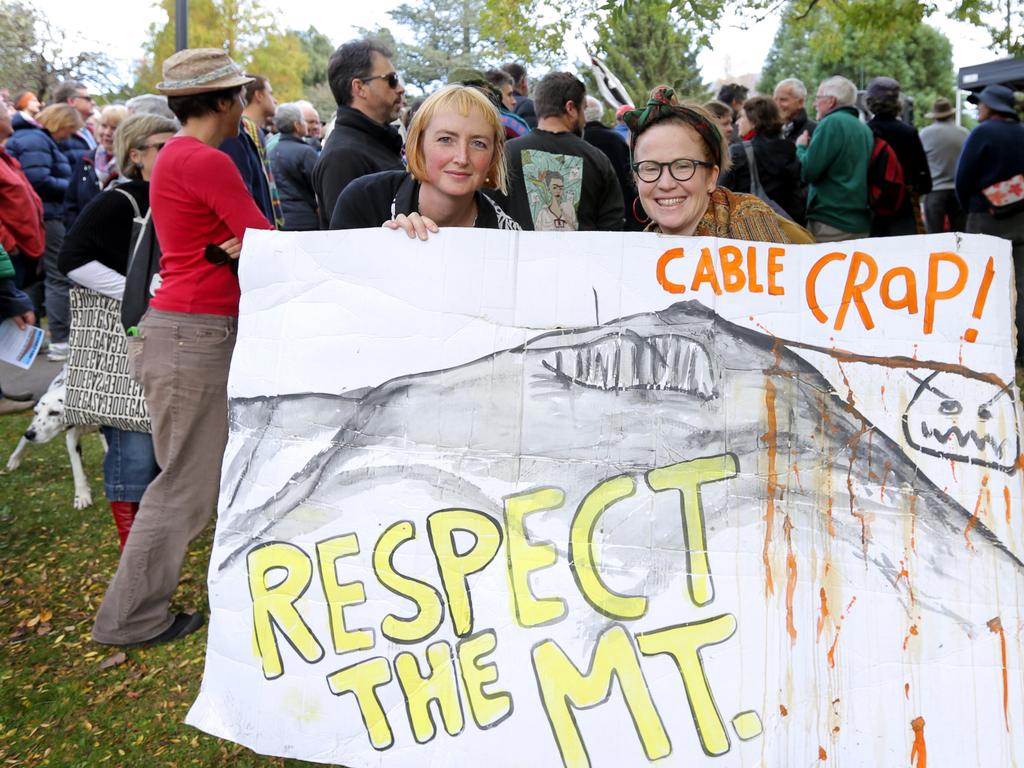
(183, 350)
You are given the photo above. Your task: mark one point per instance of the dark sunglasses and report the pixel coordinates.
(392, 79)
(157, 147)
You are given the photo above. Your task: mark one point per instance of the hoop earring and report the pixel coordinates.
(636, 215)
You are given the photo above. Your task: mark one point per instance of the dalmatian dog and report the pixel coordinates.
(47, 424)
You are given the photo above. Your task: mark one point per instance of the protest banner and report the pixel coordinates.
(611, 499)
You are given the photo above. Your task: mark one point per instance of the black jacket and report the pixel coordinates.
(246, 156)
(526, 110)
(917, 176)
(801, 122)
(371, 200)
(778, 170)
(591, 199)
(357, 146)
(103, 230)
(610, 142)
(292, 160)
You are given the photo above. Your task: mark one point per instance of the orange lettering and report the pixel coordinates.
(732, 268)
(706, 273)
(933, 294)
(755, 287)
(854, 291)
(909, 299)
(774, 267)
(666, 257)
(810, 286)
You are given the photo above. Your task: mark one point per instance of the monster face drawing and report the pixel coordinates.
(858, 585)
(963, 420)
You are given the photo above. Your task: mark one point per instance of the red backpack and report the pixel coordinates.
(886, 189)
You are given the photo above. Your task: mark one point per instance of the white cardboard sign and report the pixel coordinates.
(610, 499)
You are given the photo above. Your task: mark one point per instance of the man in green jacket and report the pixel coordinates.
(835, 165)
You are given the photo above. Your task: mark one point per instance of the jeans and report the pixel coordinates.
(58, 301)
(183, 365)
(130, 464)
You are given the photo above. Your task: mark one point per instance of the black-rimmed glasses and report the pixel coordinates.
(392, 79)
(681, 169)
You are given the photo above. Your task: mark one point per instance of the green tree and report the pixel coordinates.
(475, 33)
(248, 33)
(33, 54)
(318, 49)
(817, 45)
(650, 47)
(1002, 19)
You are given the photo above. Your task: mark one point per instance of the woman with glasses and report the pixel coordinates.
(678, 154)
(95, 256)
(455, 147)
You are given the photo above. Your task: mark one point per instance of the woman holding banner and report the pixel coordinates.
(678, 154)
(455, 146)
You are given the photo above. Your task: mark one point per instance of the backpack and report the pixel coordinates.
(142, 277)
(886, 189)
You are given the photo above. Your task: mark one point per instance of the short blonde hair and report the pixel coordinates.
(57, 117)
(463, 99)
(132, 134)
(113, 114)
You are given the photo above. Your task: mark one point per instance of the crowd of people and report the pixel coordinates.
(214, 154)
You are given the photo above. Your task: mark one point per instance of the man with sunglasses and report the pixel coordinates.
(369, 95)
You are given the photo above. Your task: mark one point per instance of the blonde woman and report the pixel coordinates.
(455, 147)
(34, 145)
(96, 169)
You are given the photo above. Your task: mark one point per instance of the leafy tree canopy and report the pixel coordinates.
(819, 44)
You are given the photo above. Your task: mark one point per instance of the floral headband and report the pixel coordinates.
(663, 104)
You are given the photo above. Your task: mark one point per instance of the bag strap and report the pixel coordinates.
(132, 200)
(755, 180)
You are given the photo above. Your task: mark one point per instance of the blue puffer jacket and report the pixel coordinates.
(75, 148)
(45, 166)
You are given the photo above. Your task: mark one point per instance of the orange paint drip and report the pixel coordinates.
(996, 625)
(787, 526)
(832, 650)
(771, 439)
(886, 469)
(782, 710)
(1006, 501)
(796, 473)
(977, 508)
(906, 691)
(919, 752)
(822, 754)
(824, 612)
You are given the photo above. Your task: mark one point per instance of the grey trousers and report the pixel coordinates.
(1011, 229)
(58, 300)
(183, 366)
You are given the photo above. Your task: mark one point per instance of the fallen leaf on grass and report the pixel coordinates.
(114, 660)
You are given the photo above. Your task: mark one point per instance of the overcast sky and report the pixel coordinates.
(734, 51)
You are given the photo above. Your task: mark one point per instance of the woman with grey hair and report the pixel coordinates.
(95, 256)
(292, 161)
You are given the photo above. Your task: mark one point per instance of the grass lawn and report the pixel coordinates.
(64, 700)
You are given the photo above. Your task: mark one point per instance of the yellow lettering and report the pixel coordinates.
(525, 557)
(340, 595)
(274, 606)
(687, 477)
(684, 643)
(363, 679)
(455, 567)
(488, 709)
(562, 685)
(583, 559)
(429, 611)
(439, 685)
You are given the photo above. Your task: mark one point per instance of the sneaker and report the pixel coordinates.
(58, 352)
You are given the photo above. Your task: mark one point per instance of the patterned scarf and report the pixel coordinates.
(664, 104)
(739, 216)
(253, 132)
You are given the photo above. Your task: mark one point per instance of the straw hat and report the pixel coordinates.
(200, 70)
(941, 109)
